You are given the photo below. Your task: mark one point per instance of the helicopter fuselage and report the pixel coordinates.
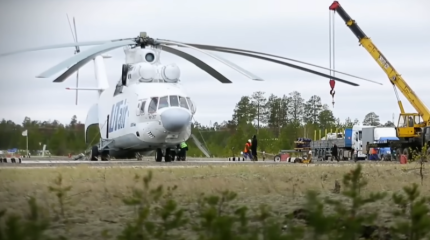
(144, 117)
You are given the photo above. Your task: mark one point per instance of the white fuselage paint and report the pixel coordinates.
(132, 129)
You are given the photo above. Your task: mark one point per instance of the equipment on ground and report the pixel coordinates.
(413, 129)
(301, 148)
(377, 135)
(147, 110)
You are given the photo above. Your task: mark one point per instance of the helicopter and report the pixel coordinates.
(148, 110)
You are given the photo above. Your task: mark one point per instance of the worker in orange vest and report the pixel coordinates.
(247, 150)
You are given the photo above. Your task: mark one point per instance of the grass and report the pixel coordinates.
(95, 200)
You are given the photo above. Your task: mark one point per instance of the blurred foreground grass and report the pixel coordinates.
(99, 199)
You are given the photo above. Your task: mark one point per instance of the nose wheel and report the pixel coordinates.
(167, 155)
(158, 155)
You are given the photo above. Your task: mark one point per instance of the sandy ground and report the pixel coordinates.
(94, 202)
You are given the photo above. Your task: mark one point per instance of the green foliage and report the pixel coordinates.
(416, 210)
(157, 215)
(60, 192)
(60, 139)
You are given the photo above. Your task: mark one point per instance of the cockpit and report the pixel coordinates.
(154, 104)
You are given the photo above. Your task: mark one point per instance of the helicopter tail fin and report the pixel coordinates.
(100, 72)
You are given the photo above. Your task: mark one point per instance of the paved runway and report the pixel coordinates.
(150, 163)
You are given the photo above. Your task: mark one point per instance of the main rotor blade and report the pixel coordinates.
(90, 53)
(202, 65)
(75, 44)
(225, 61)
(215, 48)
(291, 65)
(76, 67)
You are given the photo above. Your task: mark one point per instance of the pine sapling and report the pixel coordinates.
(60, 192)
(413, 212)
(350, 217)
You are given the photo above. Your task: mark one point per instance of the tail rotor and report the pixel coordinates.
(77, 50)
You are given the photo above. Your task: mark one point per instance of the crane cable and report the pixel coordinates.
(332, 53)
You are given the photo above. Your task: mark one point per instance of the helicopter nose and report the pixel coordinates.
(175, 119)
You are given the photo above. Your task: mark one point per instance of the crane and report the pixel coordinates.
(411, 130)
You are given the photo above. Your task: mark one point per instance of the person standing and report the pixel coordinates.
(247, 150)
(334, 153)
(254, 148)
(183, 151)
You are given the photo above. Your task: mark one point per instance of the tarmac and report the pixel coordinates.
(150, 163)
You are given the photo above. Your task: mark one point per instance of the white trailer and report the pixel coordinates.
(357, 142)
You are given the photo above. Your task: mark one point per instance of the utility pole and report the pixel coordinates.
(258, 116)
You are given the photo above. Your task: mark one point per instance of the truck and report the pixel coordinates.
(357, 143)
(348, 142)
(413, 129)
(321, 149)
(377, 135)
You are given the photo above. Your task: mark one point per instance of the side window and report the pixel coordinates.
(142, 107)
(153, 105)
(138, 109)
(163, 103)
(174, 102)
(417, 119)
(183, 102)
(402, 122)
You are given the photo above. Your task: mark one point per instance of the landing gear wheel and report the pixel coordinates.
(139, 156)
(277, 159)
(173, 154)
(387, 157)
(158, 155)
(94, 153)
(167, 155)
(105, 156)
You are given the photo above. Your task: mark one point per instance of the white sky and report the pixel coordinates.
(295, 29)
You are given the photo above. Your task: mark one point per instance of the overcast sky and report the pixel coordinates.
(294, 28)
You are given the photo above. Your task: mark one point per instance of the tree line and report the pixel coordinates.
(276, 120)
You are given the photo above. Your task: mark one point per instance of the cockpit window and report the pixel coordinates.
(142, 107)
(163, 103)
(183, 102)
(174, 101)
(153, 105)
(191, 104)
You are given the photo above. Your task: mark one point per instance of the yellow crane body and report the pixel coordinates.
(412, 128)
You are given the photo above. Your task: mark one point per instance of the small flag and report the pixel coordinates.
(24, 133)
